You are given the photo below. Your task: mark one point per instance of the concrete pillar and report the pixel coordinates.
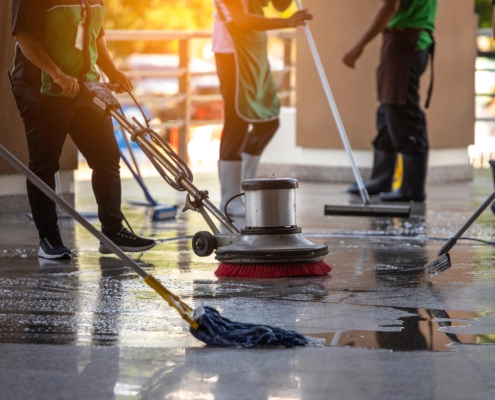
(312, 139)
(13, 196)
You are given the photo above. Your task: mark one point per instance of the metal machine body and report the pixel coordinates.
(271, 234)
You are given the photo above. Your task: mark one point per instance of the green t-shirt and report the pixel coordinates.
(55, 24)
(420, 14)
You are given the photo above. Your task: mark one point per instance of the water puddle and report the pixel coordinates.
(425, 329)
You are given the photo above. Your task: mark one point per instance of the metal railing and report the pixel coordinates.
(185, 96)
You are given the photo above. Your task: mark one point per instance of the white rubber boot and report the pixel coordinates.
(230, 182)
(249, 166)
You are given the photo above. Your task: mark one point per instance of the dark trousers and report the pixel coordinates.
(236, 136)
(402, 128)
(47, 123)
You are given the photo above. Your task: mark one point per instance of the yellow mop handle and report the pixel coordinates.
(173, 300)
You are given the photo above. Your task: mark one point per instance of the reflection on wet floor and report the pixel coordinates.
(422, 330)
(110, 328)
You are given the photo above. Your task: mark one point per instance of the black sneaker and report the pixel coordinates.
(127, 241)
(52, 248)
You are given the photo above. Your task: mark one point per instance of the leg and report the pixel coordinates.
(233, 135)
(46, 125)
(384, 159)
(93, 135)
(260, 136)
(255, 143)
(235, 128)
(407, 125)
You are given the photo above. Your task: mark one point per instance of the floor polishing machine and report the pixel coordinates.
(271, 244)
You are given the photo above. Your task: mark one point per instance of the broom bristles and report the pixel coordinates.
(266, 271)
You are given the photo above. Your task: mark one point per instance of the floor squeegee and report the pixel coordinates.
(366, 208)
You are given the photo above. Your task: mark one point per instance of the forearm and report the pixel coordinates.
(258, 23)
(104, 59)
(380, 21)
(36, 53)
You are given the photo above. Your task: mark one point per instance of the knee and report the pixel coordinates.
(109, 162)
(44, 169)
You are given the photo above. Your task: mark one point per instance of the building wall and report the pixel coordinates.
(337, 24)
(12, 136)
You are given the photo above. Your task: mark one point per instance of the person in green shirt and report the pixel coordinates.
(407, 27)
(60, 43)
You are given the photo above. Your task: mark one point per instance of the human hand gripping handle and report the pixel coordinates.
(299, 18)
(68, 84)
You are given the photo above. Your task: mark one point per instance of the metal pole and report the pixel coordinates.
(335, 111)
(453, 240)
(70, 210)
(172, 168)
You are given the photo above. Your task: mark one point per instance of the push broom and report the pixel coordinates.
(366, 209)
(206, 323)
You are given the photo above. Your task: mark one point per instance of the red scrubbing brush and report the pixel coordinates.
(275, 270)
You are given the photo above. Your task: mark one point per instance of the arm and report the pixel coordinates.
(36, 53)
(108, 67)
(244, 20)
(380, 21)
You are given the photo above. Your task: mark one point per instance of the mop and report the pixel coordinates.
(365, 209)
(442, 262)
(206, 323)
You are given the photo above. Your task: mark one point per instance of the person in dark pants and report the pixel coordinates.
(248, 88)
(407, 27)
(58, 43)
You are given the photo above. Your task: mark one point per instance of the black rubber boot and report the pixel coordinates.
(413, 180)
(382, 175)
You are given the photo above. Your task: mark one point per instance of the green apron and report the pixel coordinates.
(256, 91)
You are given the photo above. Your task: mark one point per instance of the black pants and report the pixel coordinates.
(402, 128)
(47, 122)
(236, 137)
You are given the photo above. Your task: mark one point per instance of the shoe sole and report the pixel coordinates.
(104, 249)
(63, 256)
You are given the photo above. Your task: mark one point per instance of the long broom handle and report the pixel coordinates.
(173, 300)
(472, 219)
(335, 111)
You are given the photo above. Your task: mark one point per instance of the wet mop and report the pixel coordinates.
(366, 209)
(442, 262)
(206, 323)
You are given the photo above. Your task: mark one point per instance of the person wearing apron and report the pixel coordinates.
(248, 88)
(407, 27)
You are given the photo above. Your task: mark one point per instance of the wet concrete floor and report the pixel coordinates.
(90, 328)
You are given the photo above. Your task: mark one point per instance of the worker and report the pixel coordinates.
(59, 42)
(248, 88)
(407, 27)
